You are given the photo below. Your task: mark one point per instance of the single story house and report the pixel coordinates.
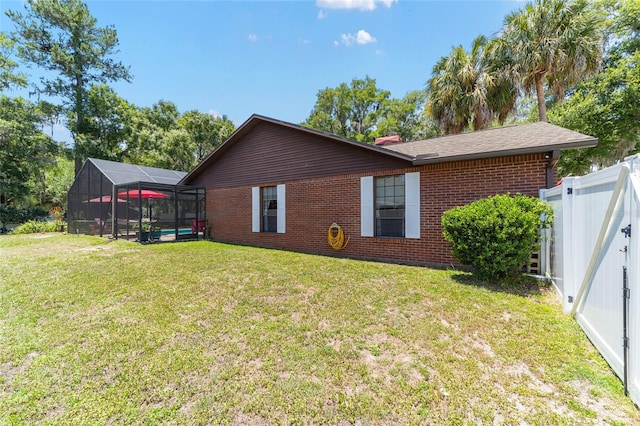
(280, 185)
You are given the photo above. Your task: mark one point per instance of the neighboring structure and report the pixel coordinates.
(276, 184)
(134, 202)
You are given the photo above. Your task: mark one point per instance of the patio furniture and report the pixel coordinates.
(199, 227)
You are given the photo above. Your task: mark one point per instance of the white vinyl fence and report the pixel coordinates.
(592, 256)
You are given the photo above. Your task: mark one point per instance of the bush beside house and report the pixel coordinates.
(496, 235)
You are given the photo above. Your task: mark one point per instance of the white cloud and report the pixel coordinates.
(253, 38)
(347, 39)
(388, 3)
(322, 14)
(353, 4)
(361, 37)
(364, 37)
(214, 113)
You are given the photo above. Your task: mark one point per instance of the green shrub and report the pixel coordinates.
(35, 226)
(496, 235)
(10, 214)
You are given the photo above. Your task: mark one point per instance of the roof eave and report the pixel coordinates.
(91, 160)
(586, 143)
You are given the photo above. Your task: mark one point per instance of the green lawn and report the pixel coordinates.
(95, 332)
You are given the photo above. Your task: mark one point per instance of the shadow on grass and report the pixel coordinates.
(521, 285)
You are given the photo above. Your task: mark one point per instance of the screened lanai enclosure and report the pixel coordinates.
(144, 204)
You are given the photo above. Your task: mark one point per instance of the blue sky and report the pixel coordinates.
(272, 57)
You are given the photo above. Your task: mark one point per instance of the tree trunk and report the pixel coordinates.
(542, 106)
(77, 161)
(78, 108)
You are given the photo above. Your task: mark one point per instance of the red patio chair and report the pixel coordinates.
(200, 227)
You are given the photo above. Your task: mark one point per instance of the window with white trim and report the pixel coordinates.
(389, 206)
(268, 212)
(269, 209)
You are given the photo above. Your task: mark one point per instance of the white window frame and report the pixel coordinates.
(282, 208)
(366, 206)
(412, 206)
(256, 214)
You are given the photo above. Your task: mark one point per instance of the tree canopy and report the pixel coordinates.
(162, 137)
(551, 44)
(24, 148)
(350, 110)
(9, 78)
(607, 105)
(61, 36)
(205, 131)
(468, 88)
(361, 111)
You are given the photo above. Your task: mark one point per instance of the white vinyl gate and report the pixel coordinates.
(592, 256)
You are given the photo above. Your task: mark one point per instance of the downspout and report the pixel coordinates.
(549, 168)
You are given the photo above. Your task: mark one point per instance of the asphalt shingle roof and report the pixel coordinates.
(503, 141)
(121, 173)
(510, 140)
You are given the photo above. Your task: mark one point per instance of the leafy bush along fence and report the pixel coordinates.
(496, 235)
(10, 214)
(35, 226)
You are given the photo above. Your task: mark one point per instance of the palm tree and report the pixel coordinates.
(467, 89)
(552, 43)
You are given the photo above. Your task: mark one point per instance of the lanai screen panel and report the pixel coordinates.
(134, 202)
(160, 212)
(89, 206)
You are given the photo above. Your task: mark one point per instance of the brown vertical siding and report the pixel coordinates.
(273, 153)
(313, 204)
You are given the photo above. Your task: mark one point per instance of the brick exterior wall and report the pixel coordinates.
(312, 205)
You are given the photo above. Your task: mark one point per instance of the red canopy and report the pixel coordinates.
(105, 199)
(142, 193)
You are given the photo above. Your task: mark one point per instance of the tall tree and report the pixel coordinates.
(24, 149)
(625, 27)
(206, 132)
(9, 78)
(52, 185)
(551, 44)
(62, 37)
(467, 90)
(150, 129)
(406, 118)
(162, 137)
(108, 124)
(352, 111)
(607, 105)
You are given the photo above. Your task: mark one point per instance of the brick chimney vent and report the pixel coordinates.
(388, 140)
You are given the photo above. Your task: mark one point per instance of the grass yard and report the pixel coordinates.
(95, 332)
